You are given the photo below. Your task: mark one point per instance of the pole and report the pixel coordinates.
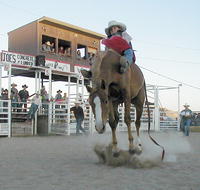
(50, 102)
(9, 119)
(77, 88)
(36, 84)
(68, 107)
(157, 111)
(50, 84)
(0, 75)
(178, 117)
(9, 80)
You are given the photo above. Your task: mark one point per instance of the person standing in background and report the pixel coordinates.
(186, 116)
(79, 115)
(24, 95)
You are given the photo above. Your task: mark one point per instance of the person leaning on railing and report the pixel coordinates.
(35, 103)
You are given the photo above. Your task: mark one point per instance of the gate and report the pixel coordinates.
(62, 121)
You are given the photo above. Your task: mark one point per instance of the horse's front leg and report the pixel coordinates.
(127, 119)
(113, 121)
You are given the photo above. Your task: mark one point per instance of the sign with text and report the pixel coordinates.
(17, 59)
(57, 66)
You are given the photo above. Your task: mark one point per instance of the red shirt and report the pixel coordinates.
(116, 43)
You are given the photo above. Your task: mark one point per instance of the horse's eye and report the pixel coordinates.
(106, 101)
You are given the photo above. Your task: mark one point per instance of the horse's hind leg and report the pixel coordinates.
(138, 102)
(113, 121)
(127, 119)
(139, 109)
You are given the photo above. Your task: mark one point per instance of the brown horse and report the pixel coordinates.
(109, 89)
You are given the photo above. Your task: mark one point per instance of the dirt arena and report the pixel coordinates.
(69, 163)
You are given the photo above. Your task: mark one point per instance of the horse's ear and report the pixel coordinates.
(86, 74)
(103, 84)
(89, 89)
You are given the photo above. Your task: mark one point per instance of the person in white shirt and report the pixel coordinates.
(36, 101)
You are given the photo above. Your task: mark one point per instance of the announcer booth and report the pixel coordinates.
(27, 57)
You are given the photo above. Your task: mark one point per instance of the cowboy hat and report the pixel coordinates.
(13, 84)
(24, 86)
(186, 105)
(59, 91)
(77, 102)
(115, 23)
(48, 43)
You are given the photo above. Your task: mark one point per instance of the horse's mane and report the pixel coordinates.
(96, 66)
(98, 60)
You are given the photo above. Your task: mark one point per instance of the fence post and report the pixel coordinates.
(9, 119)
(50, 117)
(157, 111)
(68, 107)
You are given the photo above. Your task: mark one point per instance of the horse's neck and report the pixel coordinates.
(102, 68)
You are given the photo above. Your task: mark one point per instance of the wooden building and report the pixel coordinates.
(56, 40)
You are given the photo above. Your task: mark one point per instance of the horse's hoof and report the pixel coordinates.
(132, 151)
(115, 154)
(138, 150)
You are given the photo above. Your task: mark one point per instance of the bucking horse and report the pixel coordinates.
(110, 89)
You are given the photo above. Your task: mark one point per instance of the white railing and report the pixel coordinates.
(62, 121)
(5, 118)
(167, 121)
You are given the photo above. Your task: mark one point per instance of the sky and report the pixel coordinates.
(165, 36)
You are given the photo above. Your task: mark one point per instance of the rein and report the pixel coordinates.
(149, 123)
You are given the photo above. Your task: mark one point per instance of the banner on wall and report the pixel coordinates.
(17, 59)
(57, 65)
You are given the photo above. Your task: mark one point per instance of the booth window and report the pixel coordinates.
(81, 52)
(64, 47)
(48, 44)
(91, 52)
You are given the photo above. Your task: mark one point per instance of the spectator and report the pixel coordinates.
(35, 102)
(58, 96)
(65, 98)
(68, 51)
(45, 101)
(14, 96)
(43, 91)
(53, 47)
(4, 96)
(61, 50)
(197, 120)
(186, 116)
(79, 115)
(91, 57)
(44, 96)
(24, 95)
(78, 54)
(46, 47)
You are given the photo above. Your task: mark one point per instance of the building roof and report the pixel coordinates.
(64, 25)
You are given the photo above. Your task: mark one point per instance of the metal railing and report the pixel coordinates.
(5, 118)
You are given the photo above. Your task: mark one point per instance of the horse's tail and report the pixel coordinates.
(149, 123)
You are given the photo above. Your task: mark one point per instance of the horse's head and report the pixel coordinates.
(98, 100)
